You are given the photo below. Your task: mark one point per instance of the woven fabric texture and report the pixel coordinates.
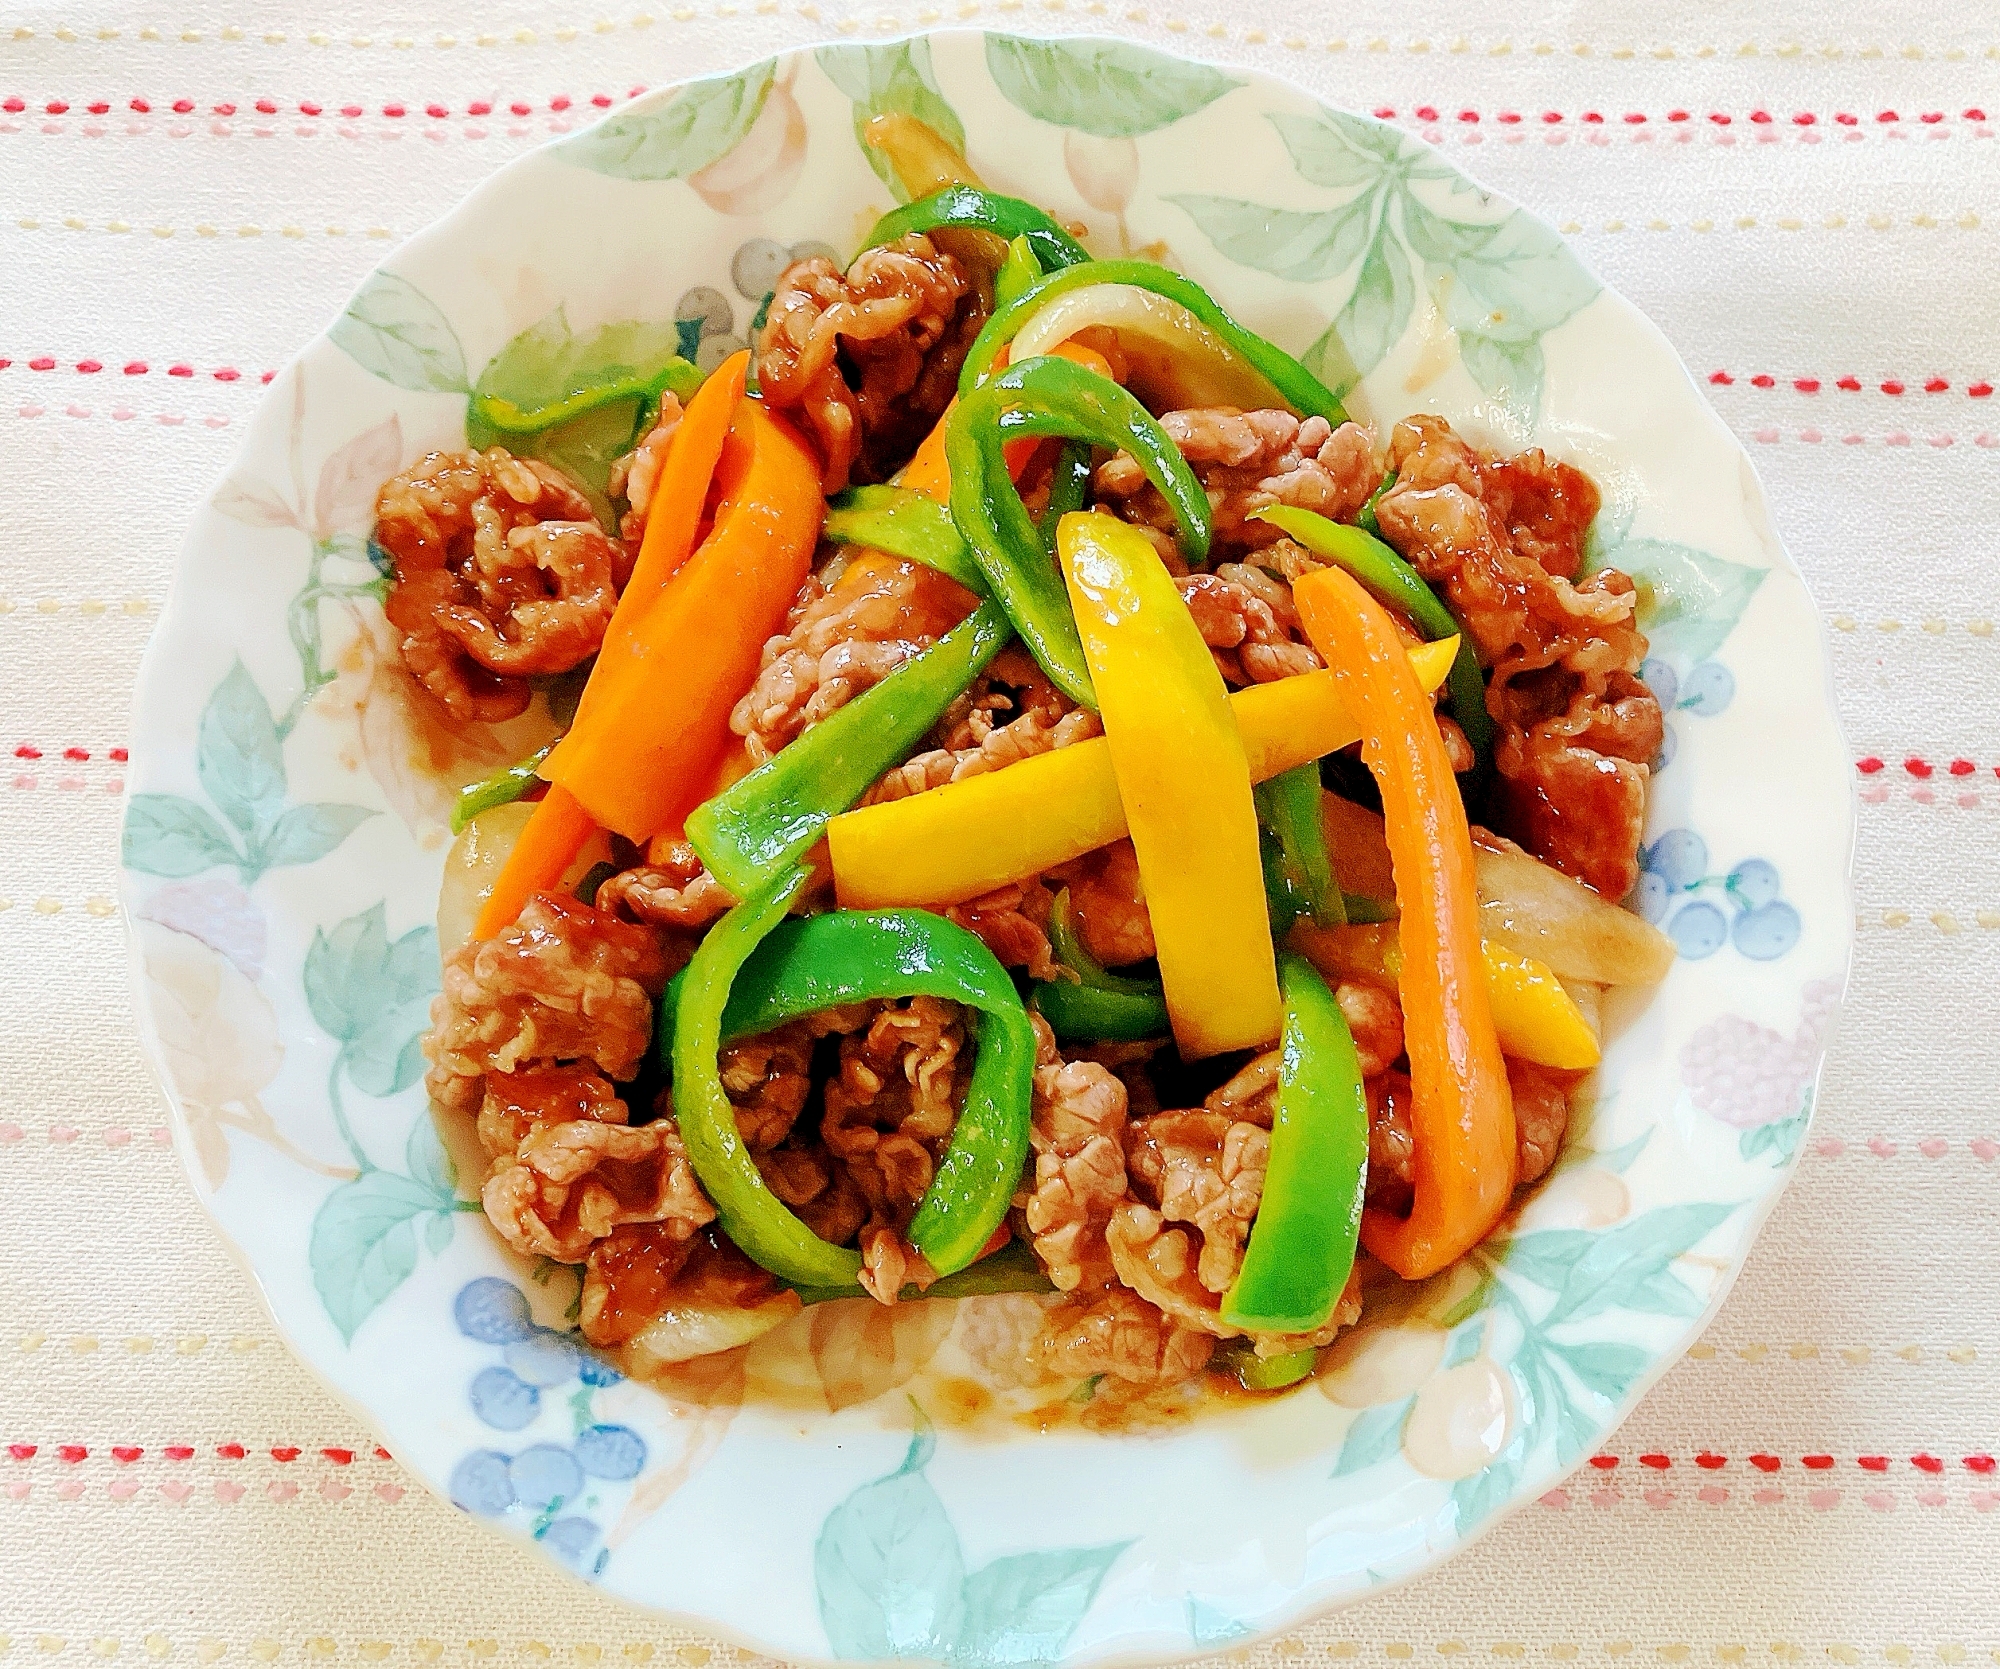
(1805, 197)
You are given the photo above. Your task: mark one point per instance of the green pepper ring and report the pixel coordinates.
(1047, 395)
(773, 971)
(984, 211)
(1303, 391)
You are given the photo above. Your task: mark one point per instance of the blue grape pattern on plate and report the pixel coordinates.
(1705, 690)
(557, 1485)
(1702, 912)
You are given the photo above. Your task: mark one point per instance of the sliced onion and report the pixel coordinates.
(475, 860)
(1523, 904)
(684, 1331)
(1176, 361)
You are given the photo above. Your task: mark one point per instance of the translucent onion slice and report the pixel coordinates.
(1176, 361)
(699, 1327)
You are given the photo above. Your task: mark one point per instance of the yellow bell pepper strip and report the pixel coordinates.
(1052, 395)
(1536, 1019)
(653, 721)
(1299, 388)
(1097, 1006)
(1185, 784)
(953, 843)
(549, 844)
(1308, 1223)
(1396, 583)
(911, 525)
(780, 810)
(770, 971)
(1462, 1117)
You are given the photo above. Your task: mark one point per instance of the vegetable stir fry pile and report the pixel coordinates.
(1050, 804)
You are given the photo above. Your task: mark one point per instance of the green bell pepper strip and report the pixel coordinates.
(1399, 585)
(1288, 808)
(1017, 272)
(676, 376)
(769, 971)
(913, 526)
(1014, 1268)
(1006, 218)
(1301, 1248)
(1264, 1373)
(775, 814)
(1069, 482)
(1301, 390)
(1097, 1006)
(502, 788)
(1050, 396)
(1364, 518)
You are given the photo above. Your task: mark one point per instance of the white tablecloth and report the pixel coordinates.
(1805, 202)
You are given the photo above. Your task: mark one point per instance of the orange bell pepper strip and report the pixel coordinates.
(970, 837)
(652, 724)
(1184, 780)
(1462, 1120)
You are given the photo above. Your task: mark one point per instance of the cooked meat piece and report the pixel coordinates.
(1108, 904)
(1577, 729)
(1248, 460)
(1013, 922)
(671, 888)
(1019, 739)
(1243, 631)
(1206, 1170)
(1078, 1135)
(639, 1270)
(501, 572)
(1541, 1116)
(889, 1263)
(1541, 1119)
(564, 982)
(893, 1104)
(1118, 1334)
(843, 639)
(1375, 1018)
(637, 473)
(902, 316)
(768, 1080)
(1251, 1096)
(565, 1183)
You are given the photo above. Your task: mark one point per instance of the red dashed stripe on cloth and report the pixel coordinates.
(559, 103)
(75, 755)
(1897, 386)
(1639, 118)
(72, 1454)
(1923, 769)
(131, 368)
(312, 109)
(1981, 1465)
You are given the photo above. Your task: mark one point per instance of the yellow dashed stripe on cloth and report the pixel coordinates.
(90, 608)
(98, 906)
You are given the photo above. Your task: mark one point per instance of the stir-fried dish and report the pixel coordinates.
(1051, 804)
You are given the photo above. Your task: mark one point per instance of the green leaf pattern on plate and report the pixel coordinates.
(1408, 224)
(1108, 88)
(392, 330)
(240, 763)
(371, 994)
(1689, 601)
(891, 80)
(700, 124)
(891, 1579)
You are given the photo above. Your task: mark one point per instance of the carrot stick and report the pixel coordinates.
(654, 719)
(548, 845)
(682, 488)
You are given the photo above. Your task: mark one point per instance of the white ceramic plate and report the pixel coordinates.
(830, 1498)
